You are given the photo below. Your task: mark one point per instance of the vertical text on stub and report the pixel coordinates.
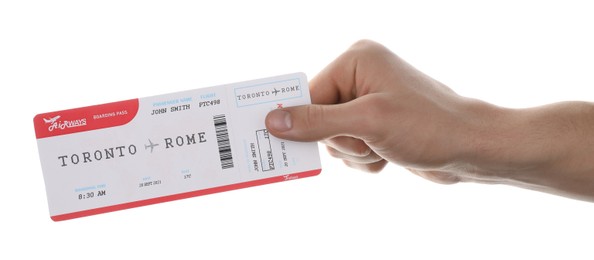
(265, 150)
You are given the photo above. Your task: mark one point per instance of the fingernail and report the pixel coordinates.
(280, 120)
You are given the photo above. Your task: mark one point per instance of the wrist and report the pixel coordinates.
(501, 146)
(544, 148)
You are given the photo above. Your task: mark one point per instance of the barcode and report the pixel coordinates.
(220, 123)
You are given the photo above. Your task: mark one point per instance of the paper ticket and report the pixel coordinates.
(143, 151)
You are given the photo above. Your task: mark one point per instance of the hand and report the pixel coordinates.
(371, 107)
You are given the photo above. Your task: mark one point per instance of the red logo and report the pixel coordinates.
(55, 124)
(85, 118)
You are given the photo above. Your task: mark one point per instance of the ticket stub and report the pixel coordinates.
(143, 151)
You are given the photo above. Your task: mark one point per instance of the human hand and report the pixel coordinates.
(371, 107)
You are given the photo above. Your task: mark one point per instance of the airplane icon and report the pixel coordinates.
(275, 91)
(51, 120)
(151, 145)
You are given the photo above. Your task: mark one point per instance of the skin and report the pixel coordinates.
(370, 107)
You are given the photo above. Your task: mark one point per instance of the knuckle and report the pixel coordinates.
(367, 48)
(365, 44)
(363, 151)
(313, 118)
(374, 169)
(333, 152)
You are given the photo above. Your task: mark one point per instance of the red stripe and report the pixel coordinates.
(185, 195)
(85, 118)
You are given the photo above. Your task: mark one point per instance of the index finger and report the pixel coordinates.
(344, 79)
(331, 84)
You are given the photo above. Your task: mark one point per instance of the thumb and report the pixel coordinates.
(312, 122)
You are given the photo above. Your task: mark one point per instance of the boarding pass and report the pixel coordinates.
(137, 152)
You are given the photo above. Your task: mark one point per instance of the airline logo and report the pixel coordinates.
(54, 124)
(85, 119)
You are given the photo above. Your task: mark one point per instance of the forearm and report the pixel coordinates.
(548, 148)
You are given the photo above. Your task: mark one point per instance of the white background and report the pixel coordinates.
(63, 54)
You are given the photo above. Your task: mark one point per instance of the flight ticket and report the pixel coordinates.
(137, 152)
